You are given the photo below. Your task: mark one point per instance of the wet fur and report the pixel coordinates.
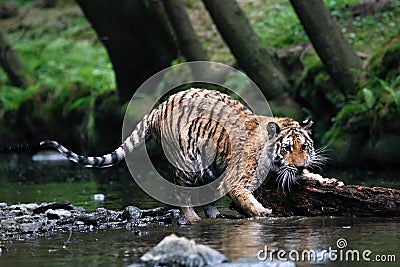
(282, 144)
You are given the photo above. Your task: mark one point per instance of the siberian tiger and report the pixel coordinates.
(204, 144)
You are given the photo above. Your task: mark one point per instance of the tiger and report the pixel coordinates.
(210, 134)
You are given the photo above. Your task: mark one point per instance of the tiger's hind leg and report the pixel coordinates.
(190, 214)
(211, 210)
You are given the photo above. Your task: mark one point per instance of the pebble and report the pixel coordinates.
(57, 214)
(24, 207)
(29, 227)
(8, 223)
(131, 213)
(182, 221)
(33, 220)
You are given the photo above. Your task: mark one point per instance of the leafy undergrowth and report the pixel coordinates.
(69, 68)
(277, 26)
(59, 51)
(369, 122)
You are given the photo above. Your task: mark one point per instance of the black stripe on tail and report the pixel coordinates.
(97, 162)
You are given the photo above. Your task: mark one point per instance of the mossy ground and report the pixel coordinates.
(72, 81)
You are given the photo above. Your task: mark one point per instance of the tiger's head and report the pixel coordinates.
(293, 150)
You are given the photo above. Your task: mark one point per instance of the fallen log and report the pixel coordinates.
(318, 196)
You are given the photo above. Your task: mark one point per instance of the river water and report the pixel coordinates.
(23, 180)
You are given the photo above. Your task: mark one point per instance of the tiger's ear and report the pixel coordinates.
(272, 129)
(307, 123)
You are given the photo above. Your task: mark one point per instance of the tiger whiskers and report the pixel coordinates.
(319, 158)
(286, 177)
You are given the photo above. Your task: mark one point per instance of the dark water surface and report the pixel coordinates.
(23, 180)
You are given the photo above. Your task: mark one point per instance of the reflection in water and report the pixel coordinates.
(22, 180)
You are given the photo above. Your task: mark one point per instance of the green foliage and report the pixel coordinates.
(339, 8)
(9, 98)
(61, 62)
(393, 89)
(20, 3)
(61, 55)
(381, 97)
(67, 67)
(374, 108)
(384, 62)
(275, 23)
(369, 32)
(369, 97)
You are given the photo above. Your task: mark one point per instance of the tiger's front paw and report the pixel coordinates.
(264, 212)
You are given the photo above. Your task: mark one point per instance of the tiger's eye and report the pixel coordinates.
(304, 147)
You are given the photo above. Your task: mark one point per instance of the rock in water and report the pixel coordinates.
(131, 213)
(180, 251)
(29, 227)
(58, 214)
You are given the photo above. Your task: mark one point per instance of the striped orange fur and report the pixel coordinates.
(208, 134)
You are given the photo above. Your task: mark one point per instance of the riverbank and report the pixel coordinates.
(32, 220)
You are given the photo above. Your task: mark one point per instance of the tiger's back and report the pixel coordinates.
(195, 128)
(207, 134)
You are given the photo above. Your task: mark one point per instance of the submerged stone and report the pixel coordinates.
(182, 252)
(58, 214)
(42, 208)
(9, 224)
(29, 227)
(131, 213)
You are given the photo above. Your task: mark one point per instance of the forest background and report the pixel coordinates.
(70, 67)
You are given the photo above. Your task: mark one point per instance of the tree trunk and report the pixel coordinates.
(137, 44)
(158, 12)
(188, 41)
(340, 60)
(237, 32)
(317, 196)
(11, 64)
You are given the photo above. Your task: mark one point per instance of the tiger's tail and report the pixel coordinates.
(134, 140)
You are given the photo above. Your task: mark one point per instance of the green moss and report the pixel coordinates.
(20, 3)
(368, 124)
(385, 62)
(68, 70)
